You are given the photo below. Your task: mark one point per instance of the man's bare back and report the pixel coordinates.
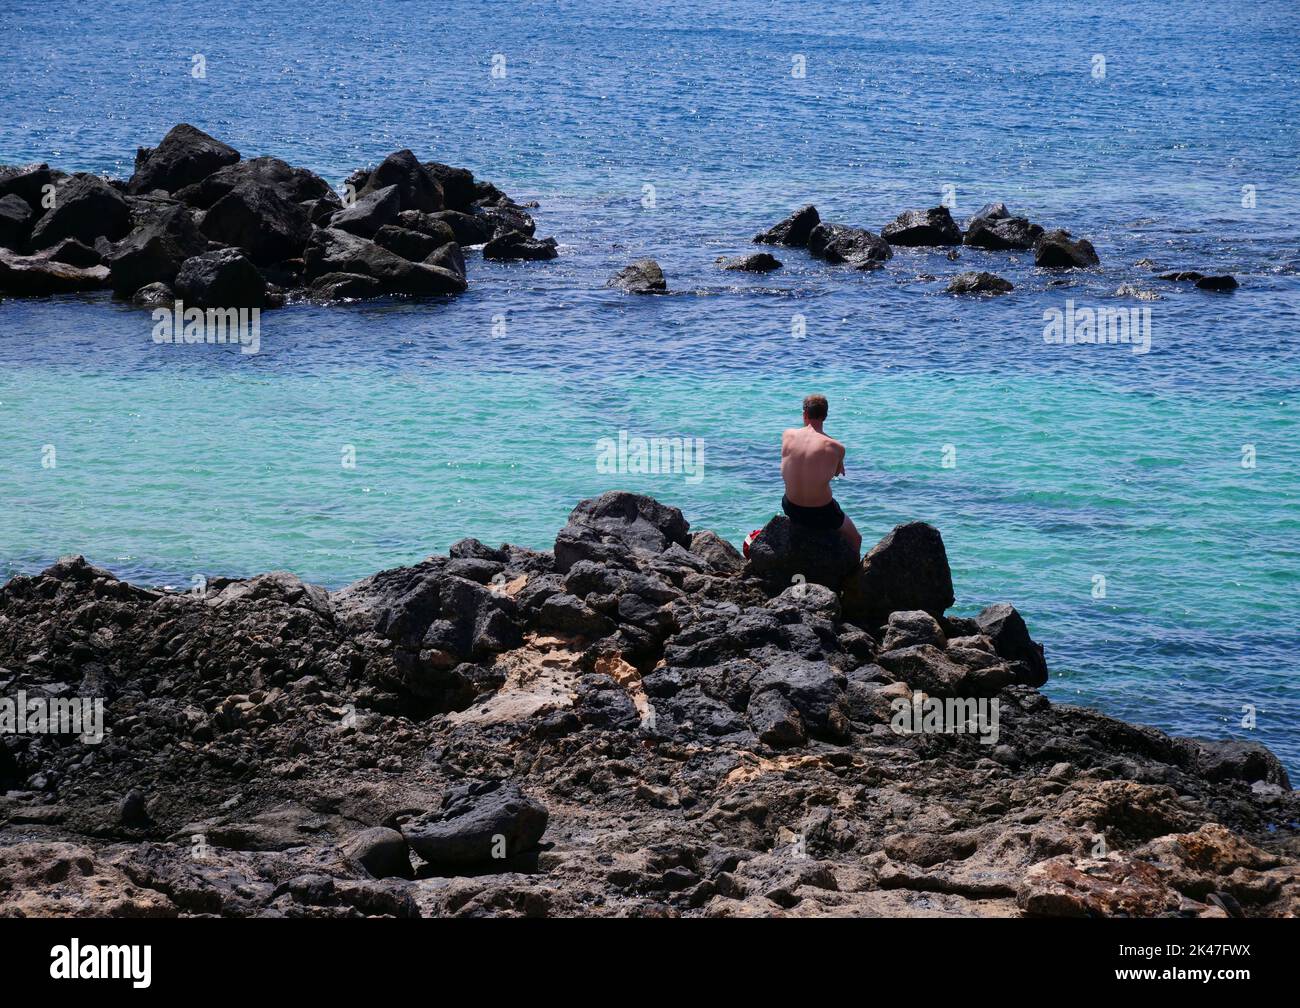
(810, 459)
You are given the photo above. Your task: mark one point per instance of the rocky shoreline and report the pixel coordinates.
(198, 223)
(639, 722)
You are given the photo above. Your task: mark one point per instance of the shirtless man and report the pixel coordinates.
(809, 461)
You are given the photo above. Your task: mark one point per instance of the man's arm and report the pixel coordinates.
(840, 470)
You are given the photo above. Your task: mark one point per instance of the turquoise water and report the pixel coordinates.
(1071, 462)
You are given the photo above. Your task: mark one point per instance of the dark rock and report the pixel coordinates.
(155, 250)
(85, 207)
(345, 287)
(912, 627)
(185, 156)
(634, 520)
(417, 188)
(297, 185)
(380, 851)
(516, 245)
(15, 221)
(978, 283)
(132, 812)
(225, 278)
(856, 246)
(478, 822)
(757, 262)
(1005, 233)
(28, 183)
(1232, 760)
(794, 230)
(926, 668)
(784, 551)
(568, 614)
(74, 253)
(907, 569)
(261, 222)
(427, 224)
(989, 212)
(38, 276)
(448, 257)
(719, 553)
(369, 213)
(776, 720)
(642, 277)
(922, 227)
(504, 219)
(410, 245)
(1056, 250)
(457, 184)
(1182, 276)
(334, 251)
(468, 229)
(1006, 628)
(153, 295)
(1217, 283)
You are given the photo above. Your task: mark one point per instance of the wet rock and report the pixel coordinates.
(414, 246)
(642, 277)
(1217, 283)
(426, 224)
(934, 226)
(757, 262)
(993, 227)
(345, 287)
(186, 155)
(794, 231)
(369, 213)
(333, 251)
(856, 246)
(416, 188)
(468, 229)
(297, 185)
(507, 246)
(479, 822)
(85, 207)
(1232, 760)
(261, 222)
(154, 251)
(153, 295)
(15, 222)
(1057, 250)
(448, 257)
(38, 275)
(225, 278)
(979, 283)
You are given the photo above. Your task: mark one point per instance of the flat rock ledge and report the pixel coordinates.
(638, 722)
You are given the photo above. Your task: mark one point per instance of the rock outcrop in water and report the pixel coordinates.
(635, 723)
(193, 197)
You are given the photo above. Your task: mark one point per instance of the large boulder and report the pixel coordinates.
(479, 822)
(837, 243)
(508, 246)
(784, 553)
(1057, 250)
(448, 257)
(186, 155)
(345, 287)
(468, 229)
(15, 221)
(1005, 627)
(28, 182)
(907, 569)
(934, 226)
(381, 851)
(224, 278)
(1002, 233)
(333, 251)
(642, 277)
(40, 275)
(412, 245)
(794, 230)
(260, 221)
(632, 520)
(417, 188)
(85, 207)
(507, 217)
(370, 212)
(297, 185)
(458, 192)
(154, 251)
(1234, 760)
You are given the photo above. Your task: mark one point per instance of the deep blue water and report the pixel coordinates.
(1071, 462)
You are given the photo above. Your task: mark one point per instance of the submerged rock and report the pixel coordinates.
(642, 277)
(1057, 250)
(794, 231)
(979, 283)
(757, 262)
(857, 246)
(934, 226)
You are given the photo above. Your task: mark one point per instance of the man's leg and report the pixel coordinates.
(852, 536)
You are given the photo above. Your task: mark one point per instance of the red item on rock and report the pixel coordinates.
(749, 539)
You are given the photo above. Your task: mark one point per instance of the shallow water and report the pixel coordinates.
(1071, 462)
